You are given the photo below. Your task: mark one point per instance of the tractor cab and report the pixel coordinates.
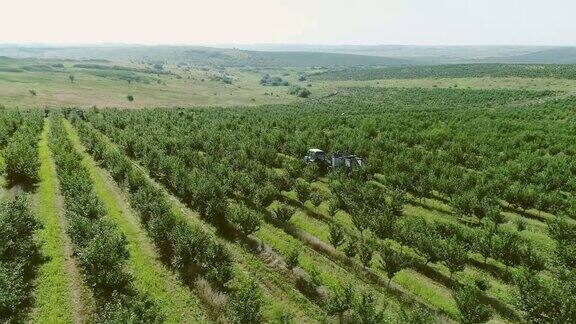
(315, 155)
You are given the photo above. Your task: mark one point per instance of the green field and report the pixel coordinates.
(144, 211)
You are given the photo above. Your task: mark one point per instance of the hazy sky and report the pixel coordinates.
(426, 22)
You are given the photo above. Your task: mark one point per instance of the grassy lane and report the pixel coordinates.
(59, 293)
(151, 277)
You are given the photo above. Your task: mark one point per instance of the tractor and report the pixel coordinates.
(337, 160)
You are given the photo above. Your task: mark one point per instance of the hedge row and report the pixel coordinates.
(99, 246)
(19, 256)
(190, 250)
(21, 153)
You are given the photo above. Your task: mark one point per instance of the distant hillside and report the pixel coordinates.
(421, 54)
(564, 55)
(202, 56)
(559, 71)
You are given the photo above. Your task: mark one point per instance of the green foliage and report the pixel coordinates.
(547, 301)
(302, 190)
(392, 261)
(365, 310)
(189, 250)
(133, 309)
(283, 212)
(444, 144)
(417, 315)
(365, 251)
(299, 91)
(316, 198)
(454, 255)
(21, 155)
(292, 259)
(351, 249)
(472, 310)
(267, 80)
(454, 71)
(564, 233)
(244, 219)
(337, 236)
(19, 256)
(245, 304)
(342, 300)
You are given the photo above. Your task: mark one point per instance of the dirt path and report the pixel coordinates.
(60, 292)
(151, 277)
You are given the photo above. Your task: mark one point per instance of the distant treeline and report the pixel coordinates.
(118, 68)
(559, 71)
(33, 68)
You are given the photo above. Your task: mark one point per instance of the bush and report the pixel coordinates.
(302, 190)
(133, 309)
(21, 154)
(19, 256)
(243, 218)
(292, 259)
(366, 310)
(336, 235)
(342, 300)
(283, 212)
(316, 198)
(351, 249)
(472, 310)
(482, 283)
(299, 91)
(392, 262)
(103, 259)
(244, 306)
(130, 98)
(365, 251)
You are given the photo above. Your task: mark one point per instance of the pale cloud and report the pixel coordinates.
(289, 21)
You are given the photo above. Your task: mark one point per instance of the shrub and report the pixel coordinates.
(302, 190)
(454, 255)
(351, 249)
(332, 208)
(20, 155)
(341, 300)
(416, 314)
(336, 235)
(482, 283)
(103, 259)
(244, 306)
(316, 198)
(365, 251)
(292, 259)
(392, 262)
(472, 310)
(366, 310)
(133, 309)
(283, 212)
(130, 97)
(19, 256)
(243, 218)
(299, 91)
(315, 277)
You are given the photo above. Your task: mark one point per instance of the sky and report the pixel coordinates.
(334, 22)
